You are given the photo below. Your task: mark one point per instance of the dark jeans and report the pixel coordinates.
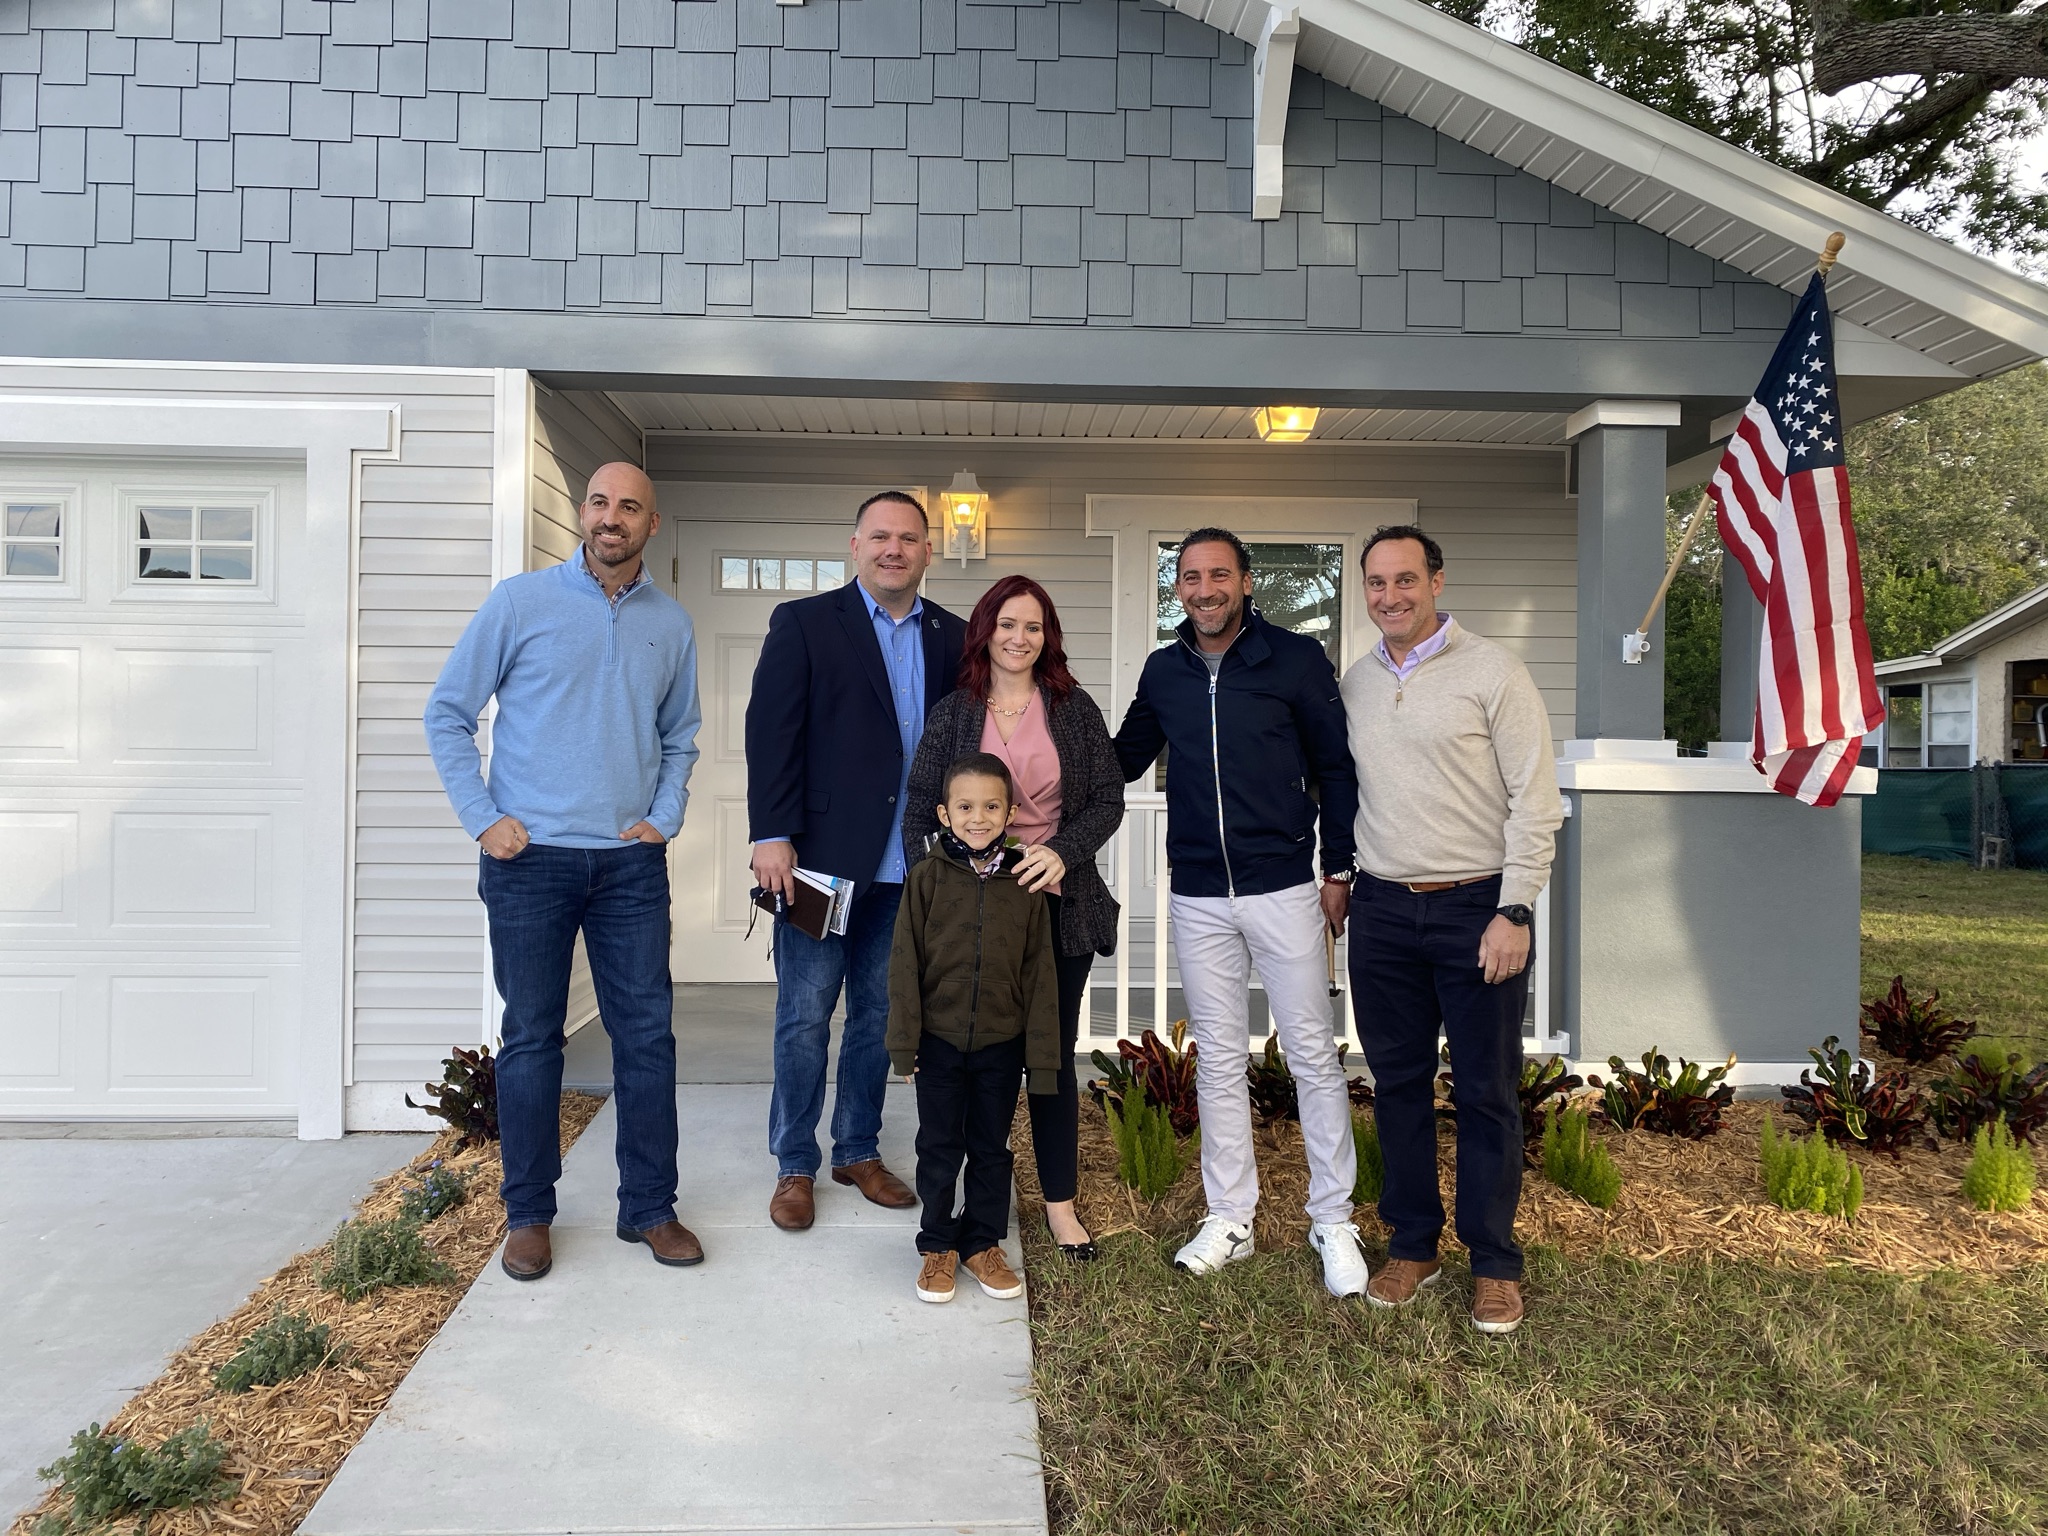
(965, 1103)
(1056, 1116)
(1415, 971)
(809, 974)
(619, 898)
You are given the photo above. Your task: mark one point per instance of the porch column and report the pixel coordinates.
(1620, 449)
(1742, 645)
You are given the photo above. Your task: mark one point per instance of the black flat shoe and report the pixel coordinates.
(1079, 1253)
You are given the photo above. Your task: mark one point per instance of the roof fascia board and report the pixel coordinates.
(1632, 158)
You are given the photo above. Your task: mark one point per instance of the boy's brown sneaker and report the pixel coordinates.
(994, 1272)
(935, 1279)
(1496, 1305)
(1398, 1281)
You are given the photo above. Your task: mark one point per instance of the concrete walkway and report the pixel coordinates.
(791, 1383)
(117, 1247)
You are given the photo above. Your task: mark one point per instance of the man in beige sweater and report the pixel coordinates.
(1457, 814)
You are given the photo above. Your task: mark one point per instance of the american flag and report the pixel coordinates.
(1781, 498)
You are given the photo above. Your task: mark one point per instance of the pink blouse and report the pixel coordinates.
(1034, 765)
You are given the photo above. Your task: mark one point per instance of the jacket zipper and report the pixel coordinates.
(974, 991)
(1216, 763)
(1401, 683)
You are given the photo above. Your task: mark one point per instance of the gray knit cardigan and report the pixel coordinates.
(1091, 802)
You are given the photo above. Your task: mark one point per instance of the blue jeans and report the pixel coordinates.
(619, 899)
(808, 976)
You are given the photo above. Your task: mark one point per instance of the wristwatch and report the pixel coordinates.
(1517, 914)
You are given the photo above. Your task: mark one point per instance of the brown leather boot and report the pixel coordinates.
(671, 1243)
(792, 1206)
(528, 1254)
(877, 1183)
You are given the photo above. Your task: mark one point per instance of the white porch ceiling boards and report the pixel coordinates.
(840, 416)
(1899, 282)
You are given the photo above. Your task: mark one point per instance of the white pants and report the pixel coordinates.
(1219, 938)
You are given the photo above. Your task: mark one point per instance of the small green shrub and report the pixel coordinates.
(367, 1256)
(1149, 1157)
(436, 1191)
(1372, 1163)
(1808, 1174)
(467, 1096)
(2001, 1172)
(1914, 1031)
(1164, 1071)
(110, 1478)
(1574, 1161)
(1987, 1087)
(1844, 1100)
(1687, 1104)
(288, 1344)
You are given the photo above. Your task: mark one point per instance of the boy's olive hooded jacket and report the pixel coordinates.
(973, 963)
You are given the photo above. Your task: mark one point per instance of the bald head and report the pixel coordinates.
(618, 518)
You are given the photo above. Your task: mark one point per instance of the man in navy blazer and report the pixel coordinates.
(841, 692)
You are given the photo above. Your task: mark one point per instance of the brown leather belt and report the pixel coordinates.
(1442, 885)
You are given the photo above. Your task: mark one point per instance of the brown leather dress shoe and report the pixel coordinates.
(877, 1183)
(671, 1243)
(1396, 1284)
(792, 1206)
(528, 1254)
(1496, 1305)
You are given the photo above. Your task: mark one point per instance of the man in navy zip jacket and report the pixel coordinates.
(841, 692)
(1257, 732)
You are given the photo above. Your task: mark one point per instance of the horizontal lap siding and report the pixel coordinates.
(1508, 531)
(424, 549)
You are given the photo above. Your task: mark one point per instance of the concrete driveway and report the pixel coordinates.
(118, 1247)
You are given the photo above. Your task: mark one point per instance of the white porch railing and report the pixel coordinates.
(1144, 970)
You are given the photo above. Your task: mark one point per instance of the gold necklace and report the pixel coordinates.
(996, 709)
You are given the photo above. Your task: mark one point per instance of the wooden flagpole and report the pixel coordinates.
(1636, 646)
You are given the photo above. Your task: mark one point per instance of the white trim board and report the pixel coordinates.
(333, 437)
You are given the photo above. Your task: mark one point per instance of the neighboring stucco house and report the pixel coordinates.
(315, 314)
(1980, 695)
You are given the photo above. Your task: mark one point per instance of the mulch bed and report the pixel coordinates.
(1681, 1201)
(286, 1442)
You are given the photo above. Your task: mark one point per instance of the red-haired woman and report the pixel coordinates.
(1018, 700)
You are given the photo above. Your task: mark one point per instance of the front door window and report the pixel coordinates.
(1299, 587)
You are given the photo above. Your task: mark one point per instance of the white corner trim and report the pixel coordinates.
(1621, 413)
(1679, 775)
(1724, 427)
(1272, 80)
(382, 1107)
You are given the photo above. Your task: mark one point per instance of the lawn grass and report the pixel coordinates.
(1639, 1397)
(1980, 936)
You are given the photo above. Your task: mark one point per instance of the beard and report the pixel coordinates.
(628, 549)
(1214, 621)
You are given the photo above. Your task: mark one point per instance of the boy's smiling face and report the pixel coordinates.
(977, 808)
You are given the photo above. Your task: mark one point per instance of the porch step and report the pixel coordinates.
(791, 1383)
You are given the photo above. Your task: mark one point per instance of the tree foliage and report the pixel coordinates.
(1915, 106)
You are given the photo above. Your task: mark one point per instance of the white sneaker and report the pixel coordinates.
(1344, 1271)
(1218, 1241)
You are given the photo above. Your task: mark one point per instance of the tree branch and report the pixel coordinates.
(1913, 120)
(1849, 52)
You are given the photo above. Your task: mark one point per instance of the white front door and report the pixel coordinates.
(739, 551)
(153, 698)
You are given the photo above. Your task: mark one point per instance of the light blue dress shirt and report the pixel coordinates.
(902, 642)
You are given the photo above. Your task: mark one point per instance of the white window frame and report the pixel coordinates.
(70, 539)
(1927, 685)
(262, 495)
(753, 557)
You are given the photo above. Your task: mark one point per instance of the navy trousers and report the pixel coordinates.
(1414, 973)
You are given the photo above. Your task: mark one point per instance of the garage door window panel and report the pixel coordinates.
(38, 524)
(186, 546)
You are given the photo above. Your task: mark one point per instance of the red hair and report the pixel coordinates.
(1050, 672)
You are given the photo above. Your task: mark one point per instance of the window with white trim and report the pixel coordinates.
(32, 532)
(779, 573)
(1929, 725)
(196, 540)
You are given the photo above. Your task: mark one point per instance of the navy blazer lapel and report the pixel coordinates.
(860, 631)
(938, 676)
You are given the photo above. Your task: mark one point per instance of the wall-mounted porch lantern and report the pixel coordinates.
(964, 505)
(1285, 423)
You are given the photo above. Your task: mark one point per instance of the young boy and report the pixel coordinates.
(973, 1003)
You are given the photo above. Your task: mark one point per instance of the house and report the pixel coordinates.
(316, 313)
(1980, 695)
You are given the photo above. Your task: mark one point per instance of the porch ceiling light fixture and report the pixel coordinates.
(965, 508)
(1285, 423)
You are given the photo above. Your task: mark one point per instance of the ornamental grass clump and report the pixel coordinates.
(2001, 1172)
(1574, 1161)
(1372, 1163)
(367, 1256)
(111, 1478)
(288, 1345)
(1149, 1157)
(1914, 1032)
(1807, 1174)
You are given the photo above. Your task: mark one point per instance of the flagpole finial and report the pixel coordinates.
(1829, 253)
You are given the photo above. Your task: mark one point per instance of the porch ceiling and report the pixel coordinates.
(698, 414)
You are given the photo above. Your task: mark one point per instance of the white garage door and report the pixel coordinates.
(152, 703)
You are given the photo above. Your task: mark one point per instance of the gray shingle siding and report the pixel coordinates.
(1072, 162)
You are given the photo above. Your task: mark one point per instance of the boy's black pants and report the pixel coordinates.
(965, 1103)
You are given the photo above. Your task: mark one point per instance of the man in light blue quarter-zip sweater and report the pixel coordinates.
(595, 673)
